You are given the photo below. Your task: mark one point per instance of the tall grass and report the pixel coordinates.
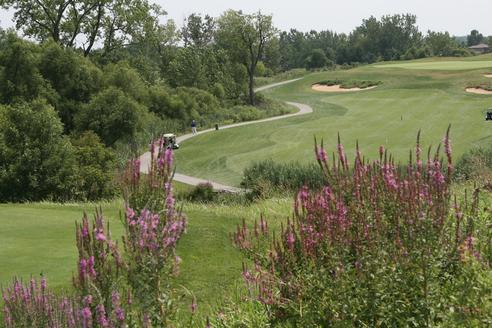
(266, 177)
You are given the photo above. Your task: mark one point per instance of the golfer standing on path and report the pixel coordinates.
(193, 127)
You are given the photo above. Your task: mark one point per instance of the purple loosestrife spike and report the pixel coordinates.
(115, 299)
(119, 314)
(101, 316)
(82, 269)
(146, 321)
(321, 155)
(87, 301)
(168, 156)
(100, 235)
(7, 319)
(290, 239)
(129, 300)
(130, 213)
(194, 306)
(86, 317)
(90, 267)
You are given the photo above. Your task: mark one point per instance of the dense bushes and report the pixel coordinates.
(379, 246)
(118, 116)
(36, 160)
(203, 192)
(96, 166)
(476, 164)
(268, 176)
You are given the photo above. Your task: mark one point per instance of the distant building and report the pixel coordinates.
(480, 48)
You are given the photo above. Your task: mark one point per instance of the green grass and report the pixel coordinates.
(390, 115)
(443, 66)
(40, 238)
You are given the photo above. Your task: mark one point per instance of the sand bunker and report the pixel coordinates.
(337, 88)
(479, 91)
(488, 75)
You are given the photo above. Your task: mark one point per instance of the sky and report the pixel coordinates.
(455, 16)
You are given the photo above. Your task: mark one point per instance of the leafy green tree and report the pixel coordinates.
(36, 160)
(122, 76)
(20, 79)
(316, 59)
(398, 34)
(84, 23)
(474, 38)
(272, 56)
(73, 77)
(112, 115)
(95, 167)
(440, 43)
(187, 69)
(245, 37)
(198, 31)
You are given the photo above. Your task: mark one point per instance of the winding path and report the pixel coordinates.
(303, 109)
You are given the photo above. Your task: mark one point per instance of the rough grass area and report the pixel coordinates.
(390, 115)
(350, 84)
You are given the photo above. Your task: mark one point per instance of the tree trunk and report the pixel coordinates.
(251, 86)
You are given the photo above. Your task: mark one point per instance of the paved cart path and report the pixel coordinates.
(303, 109)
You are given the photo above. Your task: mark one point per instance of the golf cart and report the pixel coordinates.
(169, 141)
(489, 115)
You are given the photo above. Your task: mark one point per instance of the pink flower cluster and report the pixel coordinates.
(34, 304)
(152, 234)
(363, 208)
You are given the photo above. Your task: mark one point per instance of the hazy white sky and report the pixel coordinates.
(456, 16)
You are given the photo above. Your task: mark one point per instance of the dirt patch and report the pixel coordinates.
(479, 91)
(488, 75)
(337, 88)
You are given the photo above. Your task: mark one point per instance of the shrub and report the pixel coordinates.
(118, 116)
(203, 192)
(96, 166)
(282, 176)
(36, 161)
(379, 246)
(476, 165)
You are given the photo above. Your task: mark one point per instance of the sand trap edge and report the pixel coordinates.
(337, 88)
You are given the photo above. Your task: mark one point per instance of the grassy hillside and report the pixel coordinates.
(424, 94)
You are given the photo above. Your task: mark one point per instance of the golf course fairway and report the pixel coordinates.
(423, 94)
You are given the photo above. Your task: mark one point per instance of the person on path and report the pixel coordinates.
(193, 127)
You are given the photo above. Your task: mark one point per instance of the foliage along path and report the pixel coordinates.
(303, 109)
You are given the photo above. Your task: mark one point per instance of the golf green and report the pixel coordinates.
(389, 115)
